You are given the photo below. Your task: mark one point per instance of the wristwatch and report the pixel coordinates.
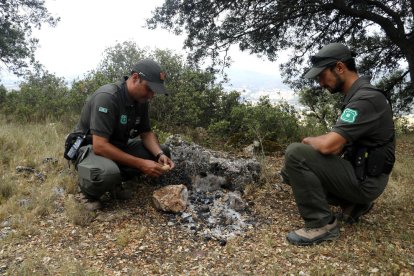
(159, 155)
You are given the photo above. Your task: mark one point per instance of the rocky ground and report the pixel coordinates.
(133, 238)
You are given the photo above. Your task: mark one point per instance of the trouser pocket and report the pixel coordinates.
(97, 174)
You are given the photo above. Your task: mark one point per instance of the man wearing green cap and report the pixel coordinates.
(350, 165)
(109, 117)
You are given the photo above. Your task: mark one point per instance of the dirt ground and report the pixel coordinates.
(132, 238)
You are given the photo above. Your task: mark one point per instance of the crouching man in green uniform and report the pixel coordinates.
(350, 165)
(109, 117)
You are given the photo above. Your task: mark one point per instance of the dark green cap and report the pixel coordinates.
(328, 56)
(151, 71)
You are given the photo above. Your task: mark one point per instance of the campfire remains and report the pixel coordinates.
(212, 185)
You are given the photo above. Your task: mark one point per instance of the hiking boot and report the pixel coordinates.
(121, 193)
(90, 204)
(351, 213)
(311, 236)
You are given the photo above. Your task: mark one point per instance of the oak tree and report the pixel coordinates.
(381, 32)
(18, 18)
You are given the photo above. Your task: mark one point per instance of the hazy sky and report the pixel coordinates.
(88, 27)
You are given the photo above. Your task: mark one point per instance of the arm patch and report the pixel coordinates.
(349, 115)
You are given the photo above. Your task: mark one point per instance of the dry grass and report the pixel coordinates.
(45, 232)
(77, 213)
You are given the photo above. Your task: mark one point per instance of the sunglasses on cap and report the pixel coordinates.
(316, 60)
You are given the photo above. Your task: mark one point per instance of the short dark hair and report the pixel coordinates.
(350, 64)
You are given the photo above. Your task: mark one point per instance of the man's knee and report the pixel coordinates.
(296, 150)
(98, 175)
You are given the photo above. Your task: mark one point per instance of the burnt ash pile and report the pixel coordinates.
(219, 215)
(215, 181)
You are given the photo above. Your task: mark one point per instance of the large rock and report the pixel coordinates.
(194, 161)
(172, 198)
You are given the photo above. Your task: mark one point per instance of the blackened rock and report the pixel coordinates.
(204, 209)
(222, 242)
(192, 160)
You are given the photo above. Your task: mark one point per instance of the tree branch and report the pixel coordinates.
(392, 32)
(395, 16)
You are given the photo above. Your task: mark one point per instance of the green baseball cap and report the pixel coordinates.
(151, 71)
(328, 56)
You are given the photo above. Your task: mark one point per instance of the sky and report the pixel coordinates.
(87, 27)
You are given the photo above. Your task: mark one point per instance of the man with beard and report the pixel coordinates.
(350, 165)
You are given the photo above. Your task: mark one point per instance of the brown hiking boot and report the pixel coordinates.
(311, 236)
(89, 203)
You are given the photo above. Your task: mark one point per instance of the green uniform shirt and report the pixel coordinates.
(112, 114)
(366, 118)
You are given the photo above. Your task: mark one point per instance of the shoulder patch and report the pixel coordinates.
(349, 115)
(103, 109)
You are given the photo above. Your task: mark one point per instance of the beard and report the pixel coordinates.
(338, 84)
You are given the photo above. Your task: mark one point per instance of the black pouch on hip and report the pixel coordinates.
(375, 161)
(360, 163)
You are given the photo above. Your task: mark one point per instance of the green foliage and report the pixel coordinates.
(196, 101)
(271, 125)
(381, 32)
(3, 92)
(403, 126)
(17, 20)
(401, 90)
(322, 106)
(120, 59)
(41, 96)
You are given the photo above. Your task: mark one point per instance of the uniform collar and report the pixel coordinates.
(355, 87)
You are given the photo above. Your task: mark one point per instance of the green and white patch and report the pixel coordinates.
(103, 109)
(124, 119)
(349, 115)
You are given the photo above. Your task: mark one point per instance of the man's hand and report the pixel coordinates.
(151, 168)
(164, 160)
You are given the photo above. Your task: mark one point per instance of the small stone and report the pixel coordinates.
(59, 191)
(222, 242)
(50, 160)
(24, 202)
(204, 209)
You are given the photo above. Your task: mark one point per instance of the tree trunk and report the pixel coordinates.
(410, 60)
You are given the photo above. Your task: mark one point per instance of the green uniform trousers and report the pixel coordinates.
(319, 180)
(98, 175)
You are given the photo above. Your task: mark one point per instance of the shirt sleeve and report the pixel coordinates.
(104, 112)
(358, 119)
